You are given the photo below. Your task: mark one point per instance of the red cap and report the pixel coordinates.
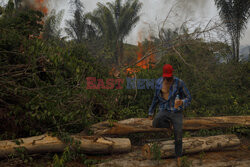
(167, 70)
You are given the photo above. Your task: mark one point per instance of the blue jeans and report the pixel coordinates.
(162, 119)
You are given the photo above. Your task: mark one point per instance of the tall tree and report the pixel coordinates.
(52, 28)
(114, 22)
(79, 28)
(235, 14)
(17, 3)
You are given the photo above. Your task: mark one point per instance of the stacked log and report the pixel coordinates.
(194, 145)
(99, 144)
(46, 143)
(139, 125)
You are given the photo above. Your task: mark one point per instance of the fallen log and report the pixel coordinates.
(194, 145)
(139, 125)
(46, 143)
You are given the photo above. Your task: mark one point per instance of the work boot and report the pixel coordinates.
(178, 161)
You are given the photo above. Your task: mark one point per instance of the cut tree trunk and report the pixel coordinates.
(194, 145)
(46, 143)
(138, 125)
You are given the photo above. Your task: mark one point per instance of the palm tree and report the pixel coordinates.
(114, 22)
(79, 28)
(51, 28)
(235, 14)
(17, 3)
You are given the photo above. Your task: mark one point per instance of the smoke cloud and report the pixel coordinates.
(192, 6)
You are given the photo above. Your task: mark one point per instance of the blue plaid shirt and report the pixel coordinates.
(177, 88)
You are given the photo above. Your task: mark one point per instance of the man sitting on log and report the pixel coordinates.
(172, 96)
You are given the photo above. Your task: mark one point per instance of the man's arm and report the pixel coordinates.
(186, 96)
(154, 104)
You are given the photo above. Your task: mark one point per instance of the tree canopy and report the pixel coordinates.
(114, 22)
(79, 28)
(235, 14)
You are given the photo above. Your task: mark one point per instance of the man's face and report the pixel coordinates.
(169, 79)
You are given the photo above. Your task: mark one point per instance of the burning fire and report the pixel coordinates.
(41, 6)
(145, 63)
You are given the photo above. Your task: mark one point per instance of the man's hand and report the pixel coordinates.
(150, 117)
(178, 103)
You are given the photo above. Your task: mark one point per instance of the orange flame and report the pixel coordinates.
(145, 63)
(41, 6)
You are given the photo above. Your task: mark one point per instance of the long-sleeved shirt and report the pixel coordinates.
(177, 88)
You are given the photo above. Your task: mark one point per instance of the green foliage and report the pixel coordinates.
(52, 30)
(9, 8)
(212, 132)
(114, 21)
(51, 88)
(57, 162)
(71, 151)
(79, 28)
(238, 130)
(202, 156)
(186, 134)
(18, 142)
(131, 112)
(216, 88)
(21, 153)
(235, 15)
(241, 130)
(185, 162)
(21, 22)
(156, 152)
(129, 54)
(67, 156)
(43, 86)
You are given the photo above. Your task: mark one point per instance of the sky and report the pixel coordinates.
(154, 12)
